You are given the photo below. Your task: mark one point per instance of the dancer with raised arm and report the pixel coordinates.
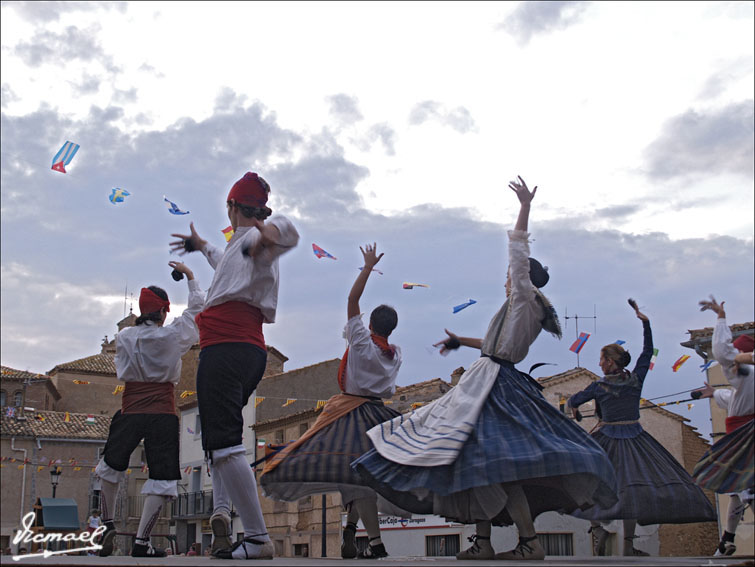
(148, 359)
(232, 357)
(728, 467)
(493, 450)
(320, 460)
(653, 487)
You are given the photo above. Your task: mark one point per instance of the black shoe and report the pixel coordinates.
(349, 545)
(108, 539)
(373, 552)
(146, 550)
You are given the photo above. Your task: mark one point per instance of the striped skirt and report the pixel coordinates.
(322, 463)
(518, 438)
(728, 465)
(653, 487)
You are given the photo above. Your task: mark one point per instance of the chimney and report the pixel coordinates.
(456, 375)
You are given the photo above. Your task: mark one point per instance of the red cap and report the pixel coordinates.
(249, 190)
(150, 302)
(744, 343)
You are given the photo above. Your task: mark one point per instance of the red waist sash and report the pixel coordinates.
(736, 421)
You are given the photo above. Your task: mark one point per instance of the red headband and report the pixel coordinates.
(249, 191)
(744, 343)
(150, 302)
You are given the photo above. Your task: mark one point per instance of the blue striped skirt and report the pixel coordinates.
(653, 487)
(519, 438)
(729, 464)
(322, 463)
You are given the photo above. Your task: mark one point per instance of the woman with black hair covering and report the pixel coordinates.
(493, 450)
(653, 487)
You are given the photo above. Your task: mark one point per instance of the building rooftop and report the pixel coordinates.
(102, 364)
(53, 424)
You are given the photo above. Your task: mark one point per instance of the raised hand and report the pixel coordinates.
(448, 344)
(370, 255)
(187, 242)
(522, 192)
(713, 305)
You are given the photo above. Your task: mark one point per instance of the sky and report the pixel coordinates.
(396, 123)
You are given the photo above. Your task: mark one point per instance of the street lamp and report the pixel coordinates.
(55, 479)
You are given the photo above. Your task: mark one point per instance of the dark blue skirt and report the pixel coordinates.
(322, 462)
(653, 487)
(520, 439)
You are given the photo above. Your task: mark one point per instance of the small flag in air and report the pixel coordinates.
(144, 468)
(187, 470)
(67, 418)
(40, 417)
(228, 233)
(320, 253)
(260, 442)
(10, 412)
(90, 419)
(704, 367)
(187, 393)
(80, 382)
(320, 404)
(190, 431)
(289, 401)
(620, 342)
(579, 343)
(77, 468)
(681, 360)
(258, 400)
(64, 156)
(416, 405)
(173, 208)
(653, 358)
(118, 389)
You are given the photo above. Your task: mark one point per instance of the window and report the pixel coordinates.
(3, 398)
(557, 544)
(301, 550)
(279, 437)
(18, 399)
(197, 425)
(441, 545)
(303, 428)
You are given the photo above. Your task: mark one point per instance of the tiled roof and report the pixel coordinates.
(54, 425)
(566, 376)
(103, 364)
(419, 385)
(736, 329)
(9, 373)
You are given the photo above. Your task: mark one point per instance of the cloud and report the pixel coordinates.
(534, 18)
(382, 132)
(48, 47)
(711, 142)
(44, 12)
(344, 108)
(89, 84)
(616, 212)
(724, 77)
(459, 118)
(124, 96)
(8, 95)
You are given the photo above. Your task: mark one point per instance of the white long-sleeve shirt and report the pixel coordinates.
(518, 323)
(239, 277)
(741, 400)
(369, 372)
(149, 353)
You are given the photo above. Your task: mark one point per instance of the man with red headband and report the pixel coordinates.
(148, 359)
(727, 467)
(242, 296)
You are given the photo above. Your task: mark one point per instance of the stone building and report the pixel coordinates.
(20, 389)
(700, 341)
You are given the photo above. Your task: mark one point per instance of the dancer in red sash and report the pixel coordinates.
(242, 296)
(148, 359)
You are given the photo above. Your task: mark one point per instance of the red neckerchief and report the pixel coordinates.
(381, 342)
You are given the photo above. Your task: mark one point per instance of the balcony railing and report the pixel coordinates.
(192, 504)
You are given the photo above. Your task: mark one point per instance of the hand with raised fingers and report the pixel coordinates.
(187, 242)
(714, 306)
(371, 257)
(524, 195)
(448, 344)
